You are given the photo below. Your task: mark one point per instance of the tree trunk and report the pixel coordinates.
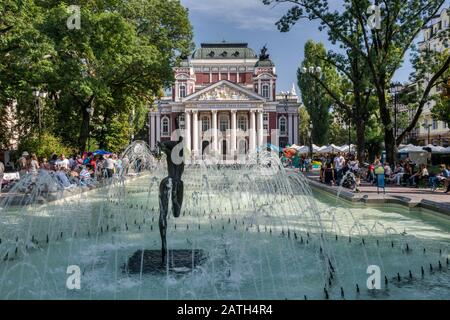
(389, 137)
(84, 129)
(361, 140)
(391, 146)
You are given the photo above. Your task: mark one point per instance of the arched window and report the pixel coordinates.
(224, 123)
(182, 90)
(282, 125)
(165, 122)
(265, 91)
(242, 123)
(205, 123)
(181, 121)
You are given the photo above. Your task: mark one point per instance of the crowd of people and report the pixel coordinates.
(335, 169)
(404, 173)
(85, 170)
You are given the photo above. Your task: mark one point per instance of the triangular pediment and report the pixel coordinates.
(224, 91)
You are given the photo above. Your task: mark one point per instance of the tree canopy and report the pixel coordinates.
(100, 78)
(314, 97)
(383, 47)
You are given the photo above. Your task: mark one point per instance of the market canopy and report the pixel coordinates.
(412, 149)
(437, 149)
(329, 149)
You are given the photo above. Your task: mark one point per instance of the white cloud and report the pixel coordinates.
(242, 14)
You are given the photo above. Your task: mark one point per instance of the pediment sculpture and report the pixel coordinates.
(223, 93)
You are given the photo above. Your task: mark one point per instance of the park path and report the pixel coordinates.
(407, 196)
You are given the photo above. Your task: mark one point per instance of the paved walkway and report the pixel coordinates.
(411, 197)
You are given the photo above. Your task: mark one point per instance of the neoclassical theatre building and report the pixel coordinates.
(224, 101)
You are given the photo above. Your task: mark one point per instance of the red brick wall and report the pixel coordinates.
(273, 123)
(248, 78)
(173, 123)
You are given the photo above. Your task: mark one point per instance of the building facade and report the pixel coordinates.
(224, 102)
(431, 131)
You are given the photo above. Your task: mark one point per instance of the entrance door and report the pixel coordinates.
(224, 149)
(205, 145)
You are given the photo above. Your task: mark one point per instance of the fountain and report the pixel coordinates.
(250, 231)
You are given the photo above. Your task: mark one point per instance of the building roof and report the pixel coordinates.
(224, 50)
(265, 63)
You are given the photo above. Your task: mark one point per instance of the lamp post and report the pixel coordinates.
(311, 127)
(38, 95)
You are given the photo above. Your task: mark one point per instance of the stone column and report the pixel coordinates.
(252, 132)
(158, 127)
(260, 128)
(152, 131)
(290, 128)
(187, 130)
(296, 129)
(233, 131)
(214, 130)
(195, 132)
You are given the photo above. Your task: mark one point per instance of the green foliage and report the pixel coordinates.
(338, 134)
(303, 126)
(44, 145)
(383, 50)
(113, 66)
(441, 111)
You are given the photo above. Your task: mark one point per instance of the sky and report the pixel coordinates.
(252, 22)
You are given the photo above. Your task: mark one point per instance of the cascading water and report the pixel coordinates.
(263, 231)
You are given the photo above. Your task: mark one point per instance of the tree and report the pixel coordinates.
(100, 78)
(314, 97)
(114, 64)
(383, 46)
(338, 134)
(23, 61)
(303, 126)
(44, 146)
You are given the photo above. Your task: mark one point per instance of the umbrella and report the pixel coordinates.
(101, 152)
(273, 147)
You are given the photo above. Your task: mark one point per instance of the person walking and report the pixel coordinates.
(339, 162)
(34, 165)
(22, 163)
(109, 166)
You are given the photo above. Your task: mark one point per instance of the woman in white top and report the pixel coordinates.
(34, 165)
